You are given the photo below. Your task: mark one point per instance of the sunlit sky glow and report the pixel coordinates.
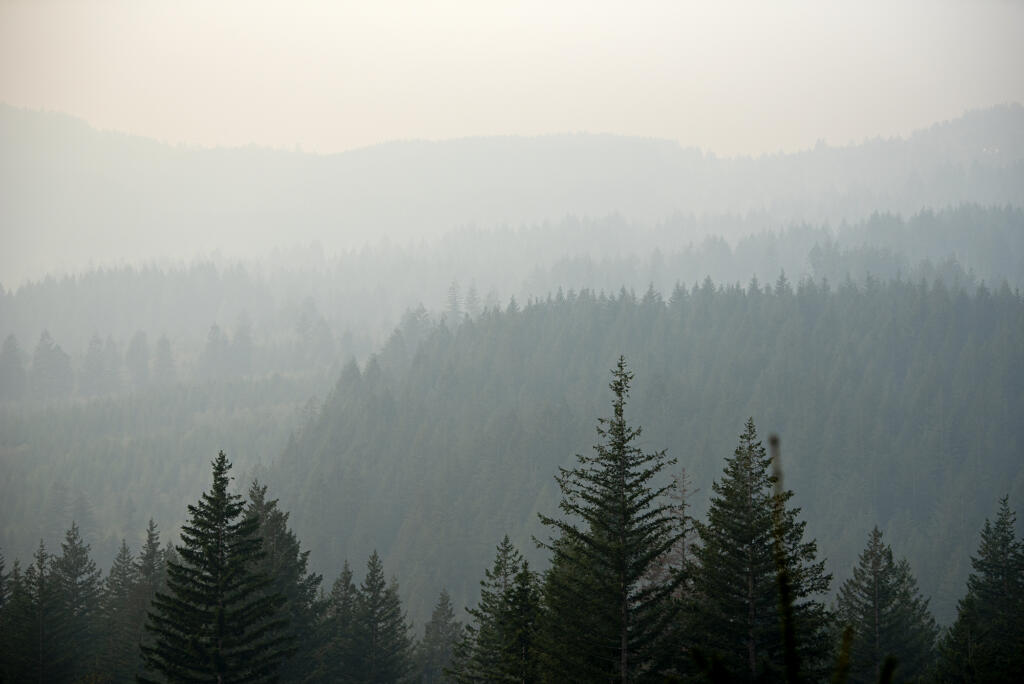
(730, 77)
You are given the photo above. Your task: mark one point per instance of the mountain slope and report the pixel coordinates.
(898, 405)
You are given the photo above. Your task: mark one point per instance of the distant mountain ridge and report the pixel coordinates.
(70, 193)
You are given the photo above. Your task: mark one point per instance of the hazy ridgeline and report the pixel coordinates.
(416, 395)
(302, 310)
(83, 196)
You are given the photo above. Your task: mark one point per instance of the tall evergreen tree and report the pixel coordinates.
(500, 644)
(734, 610)
(383, 648)
(286, 564)
(986, 642)
(440, 635)
(77, 582)
(119, 629)
(478, 652)
(48, 659)
(888, 615)
(518, 627)
(618, 527)
(336, 653)
(217, 622)
(16, 618)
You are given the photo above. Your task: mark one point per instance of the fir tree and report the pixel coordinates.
(77, 582)
(734, 610)
(380, 633)
(217, 621)
(440, 635)
(151, 574)
(120, 629)
(46, 658)
(518, 627)
(618, 527)
(889, 617)
(286, 564)
(335, 655)
(16, 620)
(986, 642)
(479, 651)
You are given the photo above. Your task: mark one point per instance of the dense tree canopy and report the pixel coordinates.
(219, 620)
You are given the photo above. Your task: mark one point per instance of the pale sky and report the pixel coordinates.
(729, 77)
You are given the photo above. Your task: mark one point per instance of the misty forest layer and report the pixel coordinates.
(636, 590)
(421, 402)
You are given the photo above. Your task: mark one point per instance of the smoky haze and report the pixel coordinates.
(383, 256)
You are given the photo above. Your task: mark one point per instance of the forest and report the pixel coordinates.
(420, 458)
(636, 589)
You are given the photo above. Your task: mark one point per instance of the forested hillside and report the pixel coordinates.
(898, 404)
(304, 308)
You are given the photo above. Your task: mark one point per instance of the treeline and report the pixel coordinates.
(634, 589)
(900, 402)
(108, 368)
(304, 307)
(902, 405)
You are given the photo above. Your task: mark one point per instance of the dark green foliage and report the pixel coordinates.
(16, 645)
(888, 615)
(519, 627)
(336, 646)
(78, 585)
(986, 642)
(40, 635)
(734, 609)
(435, 651)
(500, 643)
(617, 527)
(382, 646)
(151, 577)
(119, 618)
(479, 651)
(286, 564)
(874, 381)
(218, 620)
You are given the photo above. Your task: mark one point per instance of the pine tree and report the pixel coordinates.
(335, 655)
(217, 622)
(986, 642)
(383, 648)
(47, 658)
(479, 651)
(618, 526)
(120, 633)
(734, 610)
(77, 582)
(889, 617)
(151, 574)
(16, 620)
(518, 627)
(440, 635)
(286, 564)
